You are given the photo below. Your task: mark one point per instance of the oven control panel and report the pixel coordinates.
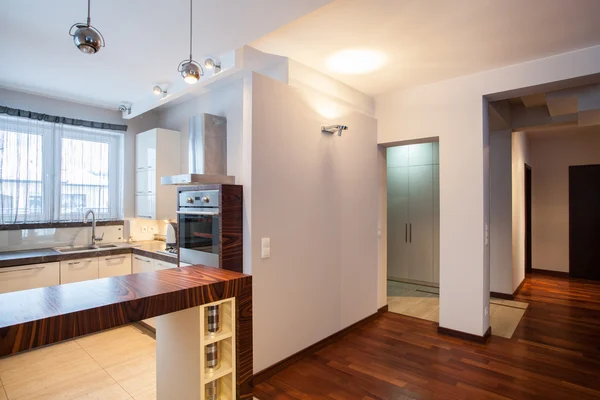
(206, 198)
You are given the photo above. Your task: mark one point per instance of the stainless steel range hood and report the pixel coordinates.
(207, 153)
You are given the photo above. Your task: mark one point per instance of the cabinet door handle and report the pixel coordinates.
(137, 258)
(74, 263)
(140, 167)
(405, 233)
(23, 269)
(144, 216)
(114, 258)
(410, 233)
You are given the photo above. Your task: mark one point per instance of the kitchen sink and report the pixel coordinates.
(81, 249)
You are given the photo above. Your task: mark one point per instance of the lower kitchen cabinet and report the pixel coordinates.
(83, 269)
(142, 264)
(31, 276)
(158, 265)
(114, 265)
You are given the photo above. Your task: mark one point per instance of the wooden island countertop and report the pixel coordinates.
(38, 317)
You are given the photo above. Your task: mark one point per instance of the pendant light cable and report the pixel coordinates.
(190, 30)
(89, 19)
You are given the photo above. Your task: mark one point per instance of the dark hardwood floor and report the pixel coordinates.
(554, 354)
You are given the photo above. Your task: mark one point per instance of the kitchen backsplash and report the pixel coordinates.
(26, 239)
(56, 237)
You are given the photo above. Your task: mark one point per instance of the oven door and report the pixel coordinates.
(199, 236)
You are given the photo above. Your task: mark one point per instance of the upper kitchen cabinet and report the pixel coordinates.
(157, 154)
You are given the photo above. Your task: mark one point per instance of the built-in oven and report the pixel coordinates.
(199, 218)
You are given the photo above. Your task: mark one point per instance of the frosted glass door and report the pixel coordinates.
(421, 223)
(436, 223)
(397, 220)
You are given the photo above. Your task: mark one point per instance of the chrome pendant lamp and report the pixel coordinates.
(87, 38)
(190, 70)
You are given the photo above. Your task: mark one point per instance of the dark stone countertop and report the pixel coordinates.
(39, 256)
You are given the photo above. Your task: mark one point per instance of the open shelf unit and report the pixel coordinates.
(224, 374)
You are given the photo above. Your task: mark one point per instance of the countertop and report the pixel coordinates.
(38, 256)
(37, 317)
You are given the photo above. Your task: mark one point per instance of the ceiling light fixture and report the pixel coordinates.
(124, 107)
(157, 90)
(210, 63)
(356, 61)
(190, 70)
(87, 38)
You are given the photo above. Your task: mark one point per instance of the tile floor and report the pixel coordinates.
(423, 302)
(110, 365)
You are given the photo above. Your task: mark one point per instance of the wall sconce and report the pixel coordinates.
(333, 129)
(210, 63)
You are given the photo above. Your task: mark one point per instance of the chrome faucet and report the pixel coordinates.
(94, 238)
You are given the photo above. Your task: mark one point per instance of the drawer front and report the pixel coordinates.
(142, 264)
(26, 277)
(84, 269)
(114, 265)
(158, 265)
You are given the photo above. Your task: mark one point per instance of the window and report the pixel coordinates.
(55, 172)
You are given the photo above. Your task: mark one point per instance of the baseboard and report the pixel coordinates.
(559, 274)
(286, 362)
(518, 288)
(503, 296)
(466, 336)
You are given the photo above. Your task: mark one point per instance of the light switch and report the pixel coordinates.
(265, 250)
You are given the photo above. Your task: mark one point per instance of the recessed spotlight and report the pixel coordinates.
(157, 90)
(356, 61)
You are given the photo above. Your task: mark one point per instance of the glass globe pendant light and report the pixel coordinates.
(190, 70)
(87, 38)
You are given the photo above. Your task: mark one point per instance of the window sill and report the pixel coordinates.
(52, 225)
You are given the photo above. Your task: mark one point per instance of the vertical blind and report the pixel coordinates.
(53, 171)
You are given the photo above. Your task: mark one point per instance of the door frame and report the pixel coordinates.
(528, 220)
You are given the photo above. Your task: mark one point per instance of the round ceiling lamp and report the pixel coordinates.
(190, 70)
(87, 38)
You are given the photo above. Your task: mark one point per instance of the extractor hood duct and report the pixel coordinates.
(207, 153)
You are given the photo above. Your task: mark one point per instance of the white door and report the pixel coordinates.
(83, 269)
(114, 265)
(31, 276)
(142, 264)
(420, 232)
(397, 222)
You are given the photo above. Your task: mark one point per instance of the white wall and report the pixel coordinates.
(520, 157)
(454, 110)
(551, 155)
(501, 211)
(315, 196)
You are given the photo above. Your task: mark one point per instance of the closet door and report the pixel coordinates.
(436, 223)
(421, 223)
(397, 222)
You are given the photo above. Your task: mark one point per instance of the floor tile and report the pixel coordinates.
(148, 395)
(433, 316)
(140, 385)
(505, 320)
(38, 359)
(495, 300)
(117, 346)
(136, 366)
(516, 304)
(3, 394)
(63, 384)
(111, 392)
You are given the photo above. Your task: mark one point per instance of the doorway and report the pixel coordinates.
(528, 263)
(584, 221)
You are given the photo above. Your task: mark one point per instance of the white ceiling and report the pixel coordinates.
(145, 41)
(431, 40)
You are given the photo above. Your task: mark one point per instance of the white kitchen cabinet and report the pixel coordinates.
(158, 265)
(116, 265)
(31, 276)
(413, 212)
(83, 269)
(182, 264)
(153, 200)
(142, 264)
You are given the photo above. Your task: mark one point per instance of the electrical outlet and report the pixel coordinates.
(265, 248)
(144, 229)
(487, 311)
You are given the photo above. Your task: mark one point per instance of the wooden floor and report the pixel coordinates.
(554, 354)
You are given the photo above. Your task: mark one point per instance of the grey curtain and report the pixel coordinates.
(61, 120)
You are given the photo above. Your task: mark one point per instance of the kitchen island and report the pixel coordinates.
(178, 296)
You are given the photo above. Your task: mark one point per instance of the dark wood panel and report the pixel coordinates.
(244, 344)
(37, 317)
(553, 355)
(584, 221)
